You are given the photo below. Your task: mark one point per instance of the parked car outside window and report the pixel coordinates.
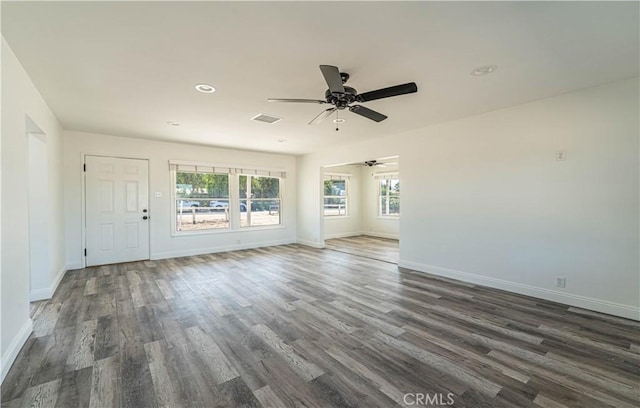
(219, 205)
(188, 203)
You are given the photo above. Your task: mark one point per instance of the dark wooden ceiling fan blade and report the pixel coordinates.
(334, 80)
(397, 90)
(296, 100)
(367, 113)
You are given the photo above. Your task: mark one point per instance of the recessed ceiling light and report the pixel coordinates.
(205, 88)
(282, 140)
(484, 70)
(339, 120)
(173, 123)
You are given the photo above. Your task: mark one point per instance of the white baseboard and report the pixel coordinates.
(14, 348)
(355, 234)
(47, 293)
(58, 279)
(380, 234)
(212, 250)
(74, 266)
(39, 294)
(343, 235)
(311, 244)
(598, 305)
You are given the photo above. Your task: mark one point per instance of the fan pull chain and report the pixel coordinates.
(337, 121)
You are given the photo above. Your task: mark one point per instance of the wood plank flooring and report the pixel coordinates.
(293, 326)
(381, 249)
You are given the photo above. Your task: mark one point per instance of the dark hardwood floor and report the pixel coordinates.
(381, 249)
(296, 326)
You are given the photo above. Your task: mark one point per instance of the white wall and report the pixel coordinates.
(38, 183)
(340, 226)
(162, 243)
(372, 223)
(20, 99)
(3, 370)
(484, 199)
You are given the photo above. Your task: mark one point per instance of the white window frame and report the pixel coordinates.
(248, 201)
(234, 172)
(386, 177)
(174, 210)
(336, 177)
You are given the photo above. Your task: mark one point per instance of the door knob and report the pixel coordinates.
(145, 217)
(144, 211)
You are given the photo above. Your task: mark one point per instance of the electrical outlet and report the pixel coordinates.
(561, 155)
(561, 282)
(238, 241)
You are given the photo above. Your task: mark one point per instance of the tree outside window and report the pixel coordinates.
(202, 201)
(259, 200)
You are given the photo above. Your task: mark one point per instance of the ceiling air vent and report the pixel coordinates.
(261, 117)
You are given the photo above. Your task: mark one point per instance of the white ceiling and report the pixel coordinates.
(126, 68)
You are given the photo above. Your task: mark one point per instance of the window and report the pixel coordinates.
(388, 195)
(202, 201)
(259, 200)
(211, 199)
(335, 196)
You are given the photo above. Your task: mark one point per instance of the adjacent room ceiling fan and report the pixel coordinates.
(373, 163)
(343, 97)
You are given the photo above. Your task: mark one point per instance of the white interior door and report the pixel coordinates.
(117, 210)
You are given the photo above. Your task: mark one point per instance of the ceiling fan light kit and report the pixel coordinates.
(343, 97)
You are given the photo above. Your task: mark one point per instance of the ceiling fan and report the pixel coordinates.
(373, 163)
(343, 97)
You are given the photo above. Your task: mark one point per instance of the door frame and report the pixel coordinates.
(83, 207)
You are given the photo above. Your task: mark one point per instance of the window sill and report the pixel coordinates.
(388, 217)
(259, 228)
(336, 217)
(200, 232)
(178, 234)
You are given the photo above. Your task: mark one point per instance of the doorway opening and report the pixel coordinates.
(38, 202)
(361, 208)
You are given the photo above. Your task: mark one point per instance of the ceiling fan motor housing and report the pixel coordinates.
(341, 100)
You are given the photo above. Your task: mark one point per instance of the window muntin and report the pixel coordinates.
(335, 198)
(260, 201)
(199, 201)
(389, 196)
